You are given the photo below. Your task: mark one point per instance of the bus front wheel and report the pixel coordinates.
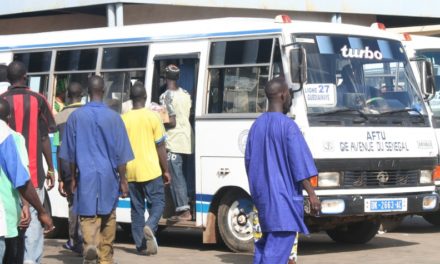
(234, 221)
(355, 233)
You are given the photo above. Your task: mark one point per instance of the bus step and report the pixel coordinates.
(166, 222)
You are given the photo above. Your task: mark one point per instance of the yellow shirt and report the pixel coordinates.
(145, 130)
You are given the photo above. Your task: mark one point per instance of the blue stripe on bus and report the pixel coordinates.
(202, 207)
(204, 197)
(142, 39)
(124, 203)
(202, 204)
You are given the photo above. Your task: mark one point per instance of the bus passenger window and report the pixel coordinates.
(72, 66)
(38, 67)
(238, 72)
(121, 68)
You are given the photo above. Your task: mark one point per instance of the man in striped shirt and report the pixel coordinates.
(31, 116)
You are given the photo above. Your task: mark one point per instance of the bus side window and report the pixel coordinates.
(38, 67)
(73, 66)
(121, 68)
(238, 72)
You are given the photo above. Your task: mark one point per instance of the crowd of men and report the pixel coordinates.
(101, 156)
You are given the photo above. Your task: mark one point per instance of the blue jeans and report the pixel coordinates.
(153, 192)
(2, 248)
(34, 239)
(178, 186)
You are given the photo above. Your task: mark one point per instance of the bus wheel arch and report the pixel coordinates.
(232, 207)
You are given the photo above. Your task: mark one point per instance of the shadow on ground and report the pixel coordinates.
(322, 244)
(416, 225)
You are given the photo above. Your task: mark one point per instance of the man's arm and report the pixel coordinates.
(162, 154)
(61, 186)
(123, 185)
(315, 204)
(25, 217)
(172, 122)
(47, 152)
(74, 177)
(28, 192)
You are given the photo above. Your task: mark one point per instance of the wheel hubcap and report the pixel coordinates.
(239, 219)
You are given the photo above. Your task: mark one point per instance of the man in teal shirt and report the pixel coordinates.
(14, 176)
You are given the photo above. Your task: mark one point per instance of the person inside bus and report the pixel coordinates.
(15, 181)
(148, 172)
(347, 86)
(60, 99)
(180, 140)
(31, 116)
(95, 142)
(74, 95)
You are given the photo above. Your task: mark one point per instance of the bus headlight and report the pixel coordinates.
(329, 179)
(425, 176)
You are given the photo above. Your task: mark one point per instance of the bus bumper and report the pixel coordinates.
(363, 205)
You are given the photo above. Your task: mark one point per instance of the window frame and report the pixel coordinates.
(205, 112)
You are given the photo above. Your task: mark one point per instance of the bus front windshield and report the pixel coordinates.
(434, 56)
(362, 74)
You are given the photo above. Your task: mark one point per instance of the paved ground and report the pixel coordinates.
(415, 241)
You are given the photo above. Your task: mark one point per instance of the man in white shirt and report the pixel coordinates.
(179, 139)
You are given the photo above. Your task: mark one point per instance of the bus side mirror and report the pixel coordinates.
(427, 79)
(298, 65)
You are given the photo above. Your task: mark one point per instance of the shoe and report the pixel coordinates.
(141, 252)
(78, 249)
(68, 245)
(90, 255)
(151, 241)
(182, 216)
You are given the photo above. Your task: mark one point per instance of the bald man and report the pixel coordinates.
(148, 172)
(96, 145)
(279, 164)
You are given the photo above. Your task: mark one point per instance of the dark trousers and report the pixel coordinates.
(14, 249)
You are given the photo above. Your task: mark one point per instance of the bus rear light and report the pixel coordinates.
(436, 173)
(283, 19)
(379, 26)
(314, 181)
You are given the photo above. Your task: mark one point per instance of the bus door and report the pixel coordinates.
(187, 58)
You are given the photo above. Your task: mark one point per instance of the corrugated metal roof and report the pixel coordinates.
(423, 8)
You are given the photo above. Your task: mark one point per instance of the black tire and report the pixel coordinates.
(242, 240)
(355, 233)
(433, 218)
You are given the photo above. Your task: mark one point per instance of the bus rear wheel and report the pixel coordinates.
(234, 221)
(433, 218)
(355, 233)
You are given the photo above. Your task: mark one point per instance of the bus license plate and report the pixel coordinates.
(386, 205)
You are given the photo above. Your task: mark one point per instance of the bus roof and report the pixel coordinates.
(182, 30)
(424, 42)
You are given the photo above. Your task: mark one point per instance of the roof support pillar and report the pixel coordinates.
(336, 18)
(111, 15)
(119, 7)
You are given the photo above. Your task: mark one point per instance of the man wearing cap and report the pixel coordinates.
(179, 142)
